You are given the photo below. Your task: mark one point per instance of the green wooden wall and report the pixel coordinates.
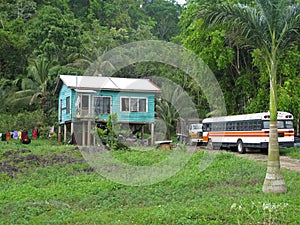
(125, 117)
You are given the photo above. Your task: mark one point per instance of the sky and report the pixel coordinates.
(181, 1)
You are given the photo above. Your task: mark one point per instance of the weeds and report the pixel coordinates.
(260, 213)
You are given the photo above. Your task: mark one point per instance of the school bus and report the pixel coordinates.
(247, 131)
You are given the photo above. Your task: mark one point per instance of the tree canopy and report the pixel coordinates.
(72, 34)
(272, 28)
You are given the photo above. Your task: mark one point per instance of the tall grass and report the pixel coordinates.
(52, 184)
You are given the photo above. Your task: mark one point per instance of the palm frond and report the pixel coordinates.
(20, 98)
(242, 19)
(270, 22)
(22, 93)
(39, 70)
(5, 82)
(290, 27)
(34, 97)
(27, 83)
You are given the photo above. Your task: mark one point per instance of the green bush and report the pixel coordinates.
(108, 135)
(22, 121)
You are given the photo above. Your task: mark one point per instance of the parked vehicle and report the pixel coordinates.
(196, 134)
(297, 141)
(247, 131)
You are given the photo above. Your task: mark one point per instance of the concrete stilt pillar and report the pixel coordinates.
(143, 132)
(152, 133)
(89, 133)
(65, 132)
(59, 134)
(72, 128)
(83, 133)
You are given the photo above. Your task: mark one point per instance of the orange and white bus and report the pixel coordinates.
(247, 131)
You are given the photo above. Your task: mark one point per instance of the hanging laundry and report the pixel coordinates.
(34, 134)
(30, 134)
(8, 136)
(20, 134)
(3, 137)
(15, 134)
(52, 129)
(24, 137)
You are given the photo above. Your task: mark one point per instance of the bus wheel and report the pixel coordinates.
(210, 144)
(240, 147)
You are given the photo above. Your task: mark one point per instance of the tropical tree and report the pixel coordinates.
(166, 16)
(228, 62)
(13, 49)
(34, 87)
(173, 107)
(168, 116)
(54, 33)
(271, 26)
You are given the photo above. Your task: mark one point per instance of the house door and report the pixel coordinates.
(85, 100)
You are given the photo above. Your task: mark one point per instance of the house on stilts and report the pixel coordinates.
(87, 101)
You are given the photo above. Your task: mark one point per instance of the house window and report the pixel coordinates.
(133, 104)
(68, 105)
(125, 104)
(142, 105)
(102, 104)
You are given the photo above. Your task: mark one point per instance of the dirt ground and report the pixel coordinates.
(285, 161)
(13, 162)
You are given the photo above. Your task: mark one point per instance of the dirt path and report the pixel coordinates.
(285, 161)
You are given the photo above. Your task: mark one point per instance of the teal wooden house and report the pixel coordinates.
(86, 100)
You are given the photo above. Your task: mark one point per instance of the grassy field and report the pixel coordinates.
(47, 183)
(291, 152)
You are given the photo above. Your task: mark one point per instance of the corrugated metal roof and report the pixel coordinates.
(108, 83)
(84, 91)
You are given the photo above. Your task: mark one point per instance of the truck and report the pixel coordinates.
(196, 134)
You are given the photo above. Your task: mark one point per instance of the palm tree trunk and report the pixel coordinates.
(274, 181)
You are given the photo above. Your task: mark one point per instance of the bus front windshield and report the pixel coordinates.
(196, 126)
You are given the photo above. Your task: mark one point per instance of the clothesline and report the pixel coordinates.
(23, 134)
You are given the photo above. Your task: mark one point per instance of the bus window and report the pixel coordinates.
(257, 125)
(246, 125)
(206, 127)
(230, 126)
(289, 124)
(266, 125)
(280, 124)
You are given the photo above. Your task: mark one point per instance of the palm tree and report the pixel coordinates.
(173, 106)
(35, 86)
(166, 112)
(39, 72)
(271, 26)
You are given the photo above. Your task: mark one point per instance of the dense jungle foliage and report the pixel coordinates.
(41, 39)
